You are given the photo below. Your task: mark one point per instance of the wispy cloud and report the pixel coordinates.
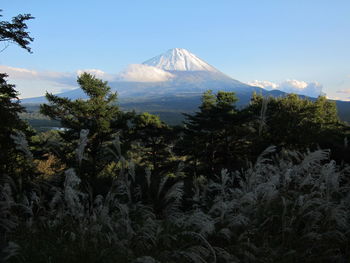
(32, 83)
(312, 89)
(54, 76)
(344, 91)
(98, 73)
(338, 98)
(134, 73)
(22, 73)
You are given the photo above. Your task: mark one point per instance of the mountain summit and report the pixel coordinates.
(179, 59)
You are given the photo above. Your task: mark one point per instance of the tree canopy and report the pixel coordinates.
(99, 115)
(209, 134)
(296, 123)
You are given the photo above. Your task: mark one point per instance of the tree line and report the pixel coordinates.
(218, 136)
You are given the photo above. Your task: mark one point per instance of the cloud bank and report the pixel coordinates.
(312, 89)
(27, 74)
(32, 83)
(144, 73)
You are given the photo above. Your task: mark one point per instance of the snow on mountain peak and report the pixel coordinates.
(179, 59)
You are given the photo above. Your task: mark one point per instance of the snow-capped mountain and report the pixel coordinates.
(189, 75)
(179, 59)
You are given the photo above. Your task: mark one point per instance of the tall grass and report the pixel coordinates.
(289, 207)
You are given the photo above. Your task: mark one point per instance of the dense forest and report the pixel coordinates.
(266, 183)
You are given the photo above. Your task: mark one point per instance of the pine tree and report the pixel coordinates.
(99, 115)
(10, 123)
(15, 31)
(210, 135)
(154, 138)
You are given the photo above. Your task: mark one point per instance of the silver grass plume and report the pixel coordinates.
(21, 142)
(11, 250)
(262, 117)
(72, 196)
(83, 140)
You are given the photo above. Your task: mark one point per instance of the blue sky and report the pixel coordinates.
(273, 41)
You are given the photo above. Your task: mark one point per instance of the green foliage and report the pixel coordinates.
(295, 123)
(152, 141)
(210, 138)
(95, 114)
(15, 31)
(146, 120)
(99, 115)
(10, 122)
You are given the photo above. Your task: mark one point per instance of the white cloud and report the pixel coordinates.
(134, 72)
(312, 89)
(264, 84)
(35, 83)
(144, 73)
(22, 73)
(31, 83)
(98, 73)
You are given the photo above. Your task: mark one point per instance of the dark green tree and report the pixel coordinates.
(211, 136)
(153, 141)
(10, 123)
(296, 123)
(15, 31)
(99, 114)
